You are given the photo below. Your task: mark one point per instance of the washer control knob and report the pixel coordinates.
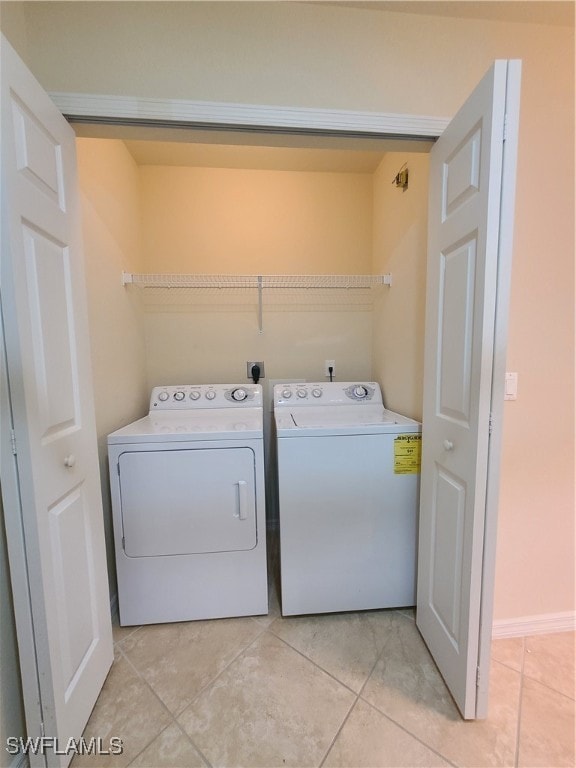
(179, 395)
(301, 392)
(316, 392)
(239, 394)
(287, 394)
(163, 396)
(360, 392)
(210, 395)
(194, 395)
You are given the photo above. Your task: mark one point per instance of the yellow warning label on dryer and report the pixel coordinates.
(407, 453)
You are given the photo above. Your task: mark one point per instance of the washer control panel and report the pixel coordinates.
(327, 393)
(179, 397)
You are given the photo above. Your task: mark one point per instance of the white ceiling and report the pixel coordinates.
(260, 158)
(270, 152)
(256, 150)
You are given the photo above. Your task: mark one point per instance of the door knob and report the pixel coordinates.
(448, 445)
(69, 461)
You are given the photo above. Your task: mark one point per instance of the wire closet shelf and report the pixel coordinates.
(254, 281)
(259, 282)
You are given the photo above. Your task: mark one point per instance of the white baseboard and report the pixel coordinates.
(544, 624)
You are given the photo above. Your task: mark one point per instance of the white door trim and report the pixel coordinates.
(111, 108)
(503, 292)
(20, 582)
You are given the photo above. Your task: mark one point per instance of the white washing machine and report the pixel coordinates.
(187, 485)
(348, 486)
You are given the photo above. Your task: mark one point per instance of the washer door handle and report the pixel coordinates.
(242, 500)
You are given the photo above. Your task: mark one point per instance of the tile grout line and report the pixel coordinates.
(339, 731)
(391, 719)
(311, 661)
(359, 697)
(265, 630)
(333, 677)
(163, 705)
(548, 687)
(409, 733)
(211, 682)
(172, 715)
(198, 750)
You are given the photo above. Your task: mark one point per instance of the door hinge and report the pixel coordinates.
(13, 442)
(42, 730)
(118, 468)
(477, 677)
(490, 424)
(505, 131)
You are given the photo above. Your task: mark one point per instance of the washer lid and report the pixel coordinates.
(342, 416)
(341, 420)
(202, 424)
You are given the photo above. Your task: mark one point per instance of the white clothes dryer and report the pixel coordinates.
(348, 487)
(187, 486)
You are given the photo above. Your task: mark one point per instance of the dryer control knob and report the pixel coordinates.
(194, 395)
(360, 392)
(301, 392)
(316, 392)
(286, 394)
(210, 395)
(179, 395)
(239, 394)
(163, 396)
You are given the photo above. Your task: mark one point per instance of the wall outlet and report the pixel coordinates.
(329, 364)
(249, 365)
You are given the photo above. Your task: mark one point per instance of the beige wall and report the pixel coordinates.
(400, 223)
(231, 221)
(110, 196)
(313, 55)
(304, 54)
(212, 220)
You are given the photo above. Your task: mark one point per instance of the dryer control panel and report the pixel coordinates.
(184, 397)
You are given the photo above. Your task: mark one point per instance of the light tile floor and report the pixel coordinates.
(357, 690)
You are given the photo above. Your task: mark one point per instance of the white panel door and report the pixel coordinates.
(59, 520)
(468, 259)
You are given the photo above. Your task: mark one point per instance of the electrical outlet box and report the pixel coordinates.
(329, 364)
(249, 365)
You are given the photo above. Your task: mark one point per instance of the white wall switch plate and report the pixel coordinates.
(511, 386)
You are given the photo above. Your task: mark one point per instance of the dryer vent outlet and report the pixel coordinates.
(255, 370)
